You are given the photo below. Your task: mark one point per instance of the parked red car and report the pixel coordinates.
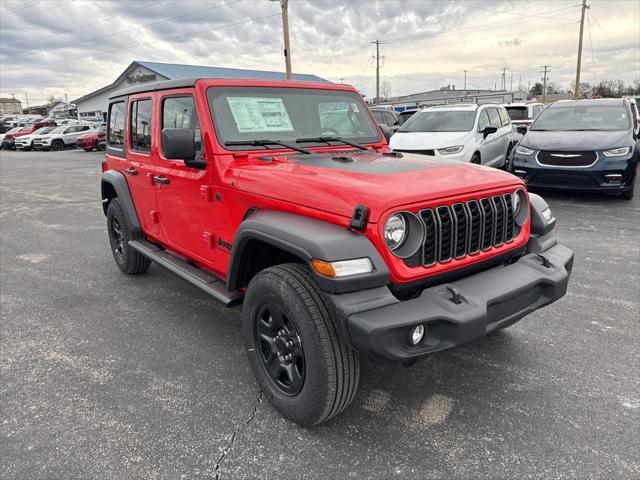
(28, 129)
(93, 139)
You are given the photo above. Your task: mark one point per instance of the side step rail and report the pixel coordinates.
(188, 272)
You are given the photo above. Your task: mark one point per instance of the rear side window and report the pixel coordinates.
(180, 112)
(536, 110)
(504, 118)
(140, 126)
(115, 133)
(494, 117)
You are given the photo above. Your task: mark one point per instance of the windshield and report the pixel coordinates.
(583, 117)
(440, 121)
(288, 114)
(517, 113)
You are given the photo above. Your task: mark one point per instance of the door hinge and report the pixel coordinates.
(205, 191)
(209, 239)
(154, 216)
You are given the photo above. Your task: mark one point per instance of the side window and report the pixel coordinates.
(390, 119)
(115, 133)
(504, 117)
(494, 117)
(483, 121)
(180, 112)
(84, 128)
(378, 116)
(140, 126)
(536, 110)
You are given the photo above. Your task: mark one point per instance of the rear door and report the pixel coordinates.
(185, 196)
(494, 143)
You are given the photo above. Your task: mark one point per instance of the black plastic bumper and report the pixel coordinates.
(488, 301)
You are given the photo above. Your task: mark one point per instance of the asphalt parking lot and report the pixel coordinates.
(108, 376)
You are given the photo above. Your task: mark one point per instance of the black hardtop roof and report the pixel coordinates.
(152, 87)
(589, 102)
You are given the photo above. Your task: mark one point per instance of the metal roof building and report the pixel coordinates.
(93, 106)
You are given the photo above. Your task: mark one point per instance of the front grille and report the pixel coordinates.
(454, 231)
(566, 159)
(563, 179)
(430, 153)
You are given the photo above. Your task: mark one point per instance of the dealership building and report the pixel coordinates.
(93, 106)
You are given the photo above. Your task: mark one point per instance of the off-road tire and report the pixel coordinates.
(57, 145)
(332, 368)
(128, 260)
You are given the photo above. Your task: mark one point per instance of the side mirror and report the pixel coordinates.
(179, 144)
(386, 131)
(488, 131)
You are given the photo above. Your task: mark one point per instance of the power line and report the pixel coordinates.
(603, 30)
(162, 39)
(104, 19)
(20, 8)
(45, 10)
(111, 34)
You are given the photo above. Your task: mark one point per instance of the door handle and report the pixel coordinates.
(159, 179)
(131, 171)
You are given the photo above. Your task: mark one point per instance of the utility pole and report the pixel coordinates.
(511, 88)
(66, 98)
(504, 78)
(465, 80)
(284, 5)
(576, 95)
(377, 44)
(520, 82)
(544, 82)
(26, 97)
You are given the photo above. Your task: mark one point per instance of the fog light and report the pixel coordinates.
(613, 178)
(417, 334)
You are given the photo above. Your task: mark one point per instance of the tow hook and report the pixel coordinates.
(545, 261)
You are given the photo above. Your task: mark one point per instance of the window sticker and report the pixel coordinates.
(256, 114)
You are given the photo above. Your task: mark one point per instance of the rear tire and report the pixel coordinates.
(120, 232)
(284, 314)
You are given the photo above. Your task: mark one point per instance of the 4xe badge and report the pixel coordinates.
(225, 245)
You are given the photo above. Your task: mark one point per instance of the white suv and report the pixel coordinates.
(25, 142)
(60, 137)
(469, 133)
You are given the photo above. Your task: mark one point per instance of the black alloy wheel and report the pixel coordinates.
(280, 348)
(118, 238)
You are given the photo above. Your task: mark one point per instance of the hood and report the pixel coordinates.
(576, 141)
(336, 182)
(426, 140)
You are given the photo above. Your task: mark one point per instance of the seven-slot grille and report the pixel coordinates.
(453, 231)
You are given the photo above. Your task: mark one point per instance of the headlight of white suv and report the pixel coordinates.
(523, 150)
(450, 150)
(617, 152)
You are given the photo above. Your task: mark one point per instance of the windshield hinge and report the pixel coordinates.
(359, 218)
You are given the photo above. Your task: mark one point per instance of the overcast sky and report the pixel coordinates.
(57, 47)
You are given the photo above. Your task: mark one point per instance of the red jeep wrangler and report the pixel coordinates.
(285, 196)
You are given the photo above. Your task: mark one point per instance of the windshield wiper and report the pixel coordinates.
(331, 139)
(265, 143)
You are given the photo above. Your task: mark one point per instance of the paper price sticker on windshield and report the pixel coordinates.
(256, 114)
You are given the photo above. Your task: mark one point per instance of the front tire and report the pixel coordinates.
(476, 159)
(57, 145)
(302, 365)
(120, 232)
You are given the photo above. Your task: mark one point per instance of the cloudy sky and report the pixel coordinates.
(57, 47)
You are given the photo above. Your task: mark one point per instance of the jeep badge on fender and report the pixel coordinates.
(333, 245)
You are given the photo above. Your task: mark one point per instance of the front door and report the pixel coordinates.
(185, 194)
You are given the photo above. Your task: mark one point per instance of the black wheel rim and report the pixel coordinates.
(279, 348)
(118, 238)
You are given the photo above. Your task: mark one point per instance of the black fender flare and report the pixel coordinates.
(119, 184)
(309, 238)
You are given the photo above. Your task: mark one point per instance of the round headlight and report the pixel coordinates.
(520, 207)
(395, 231)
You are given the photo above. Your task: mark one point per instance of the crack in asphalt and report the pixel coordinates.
(232, 439)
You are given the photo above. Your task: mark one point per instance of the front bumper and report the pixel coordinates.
(487, 301)
(606, 174)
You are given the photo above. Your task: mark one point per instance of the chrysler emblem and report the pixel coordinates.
(566, 155)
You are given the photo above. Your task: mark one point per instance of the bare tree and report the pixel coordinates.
(385, 90)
